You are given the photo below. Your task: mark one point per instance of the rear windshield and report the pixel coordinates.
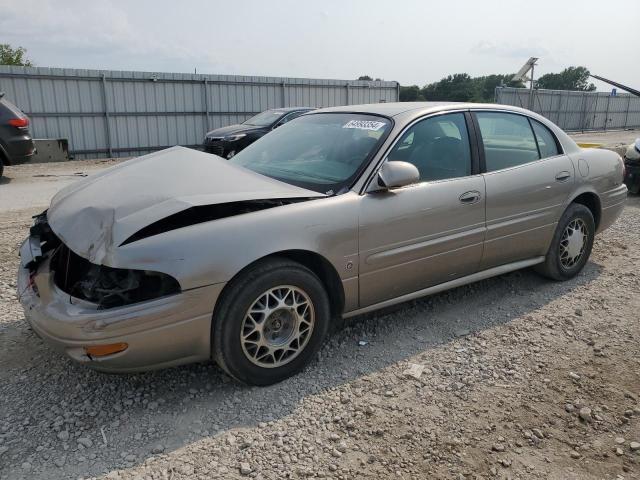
(323, 152)
(264, 119)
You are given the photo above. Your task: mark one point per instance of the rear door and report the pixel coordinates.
(528, 180)
(418, 236)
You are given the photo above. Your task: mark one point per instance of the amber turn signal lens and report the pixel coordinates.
(102, 350)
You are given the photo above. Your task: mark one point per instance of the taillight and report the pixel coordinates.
(19, 122)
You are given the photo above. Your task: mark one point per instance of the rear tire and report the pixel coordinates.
(571, 244)
(270, 322)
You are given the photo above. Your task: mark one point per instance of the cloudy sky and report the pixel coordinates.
(411, 41)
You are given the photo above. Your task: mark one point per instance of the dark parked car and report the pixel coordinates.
(227, 141)
(16, 144)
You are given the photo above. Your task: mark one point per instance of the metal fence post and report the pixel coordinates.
(584, 111)
(284, 94)
(206, 104)
(606, 115)
(626, 117)
(531, 88)
(348, 99)
(106, 115)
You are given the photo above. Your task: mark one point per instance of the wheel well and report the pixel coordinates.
(4, 160)
(592, 202)
(325, 272)
(318, 265)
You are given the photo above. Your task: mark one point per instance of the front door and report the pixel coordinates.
(418, 236)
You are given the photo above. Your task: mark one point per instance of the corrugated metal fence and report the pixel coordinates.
(576, 111)
(118, 113)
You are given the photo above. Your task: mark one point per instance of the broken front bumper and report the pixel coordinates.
(164, 332)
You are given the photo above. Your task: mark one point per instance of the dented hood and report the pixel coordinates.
(95, 215)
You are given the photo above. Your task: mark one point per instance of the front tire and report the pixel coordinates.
(270, 322)
(571, 244)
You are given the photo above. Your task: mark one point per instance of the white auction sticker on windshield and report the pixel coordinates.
(364, 124)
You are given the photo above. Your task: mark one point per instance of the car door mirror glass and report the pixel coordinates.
(396, 174)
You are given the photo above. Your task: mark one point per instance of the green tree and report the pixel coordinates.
(572, 78)
(364, 77)
(13, 56)
(458, 87)
(410, 94)
(461, 87)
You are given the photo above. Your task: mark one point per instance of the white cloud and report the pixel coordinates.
(519, 50)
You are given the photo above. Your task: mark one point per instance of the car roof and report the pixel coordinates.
(413, 110)
(398, 108)
(291, 109)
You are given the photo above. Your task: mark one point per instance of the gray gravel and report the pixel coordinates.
(510, 377)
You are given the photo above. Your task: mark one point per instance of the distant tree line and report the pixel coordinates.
(462, 87)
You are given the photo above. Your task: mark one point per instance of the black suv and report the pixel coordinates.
(16, 144)
(227, 141)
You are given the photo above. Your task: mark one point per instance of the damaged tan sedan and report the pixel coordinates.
(180, 256)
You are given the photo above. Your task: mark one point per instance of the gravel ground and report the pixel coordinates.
(512, 377)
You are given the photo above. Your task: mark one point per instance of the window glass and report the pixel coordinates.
(290, 116)
(321, 152)
(508, 140)
(546, 140)
(437, 146)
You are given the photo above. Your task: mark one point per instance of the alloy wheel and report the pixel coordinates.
(277, 326)
(573, 242)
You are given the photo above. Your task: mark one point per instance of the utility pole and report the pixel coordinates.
(522, 76)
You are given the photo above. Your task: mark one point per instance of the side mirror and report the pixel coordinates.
(395, 174)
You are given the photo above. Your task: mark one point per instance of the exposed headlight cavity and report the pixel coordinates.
(105, 286)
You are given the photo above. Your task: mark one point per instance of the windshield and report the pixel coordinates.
(322, 152)
(265, 118)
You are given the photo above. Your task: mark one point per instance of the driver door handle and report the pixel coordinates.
(562, 176)
(469, 198)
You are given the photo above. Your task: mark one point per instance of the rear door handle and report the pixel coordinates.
(562, 176)
(470, 197)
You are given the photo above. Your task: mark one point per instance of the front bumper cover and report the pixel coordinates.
(163, 332)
